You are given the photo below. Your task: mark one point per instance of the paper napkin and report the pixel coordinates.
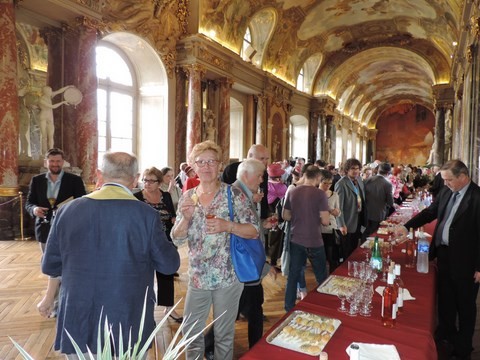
(376, 351)
(406, 293)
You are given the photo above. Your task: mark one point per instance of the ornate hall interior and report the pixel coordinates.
(393, 80)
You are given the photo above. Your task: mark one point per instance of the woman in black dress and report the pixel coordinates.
(162, 202)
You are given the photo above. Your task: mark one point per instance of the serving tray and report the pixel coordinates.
(304, 332)
(334, 284)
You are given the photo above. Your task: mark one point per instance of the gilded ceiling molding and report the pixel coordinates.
(213, 60)
(160, 22)
(475, 26)
(469, 53)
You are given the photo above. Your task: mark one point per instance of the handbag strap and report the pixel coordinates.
(230, 207)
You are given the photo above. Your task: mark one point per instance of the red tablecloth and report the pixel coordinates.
(412, 335)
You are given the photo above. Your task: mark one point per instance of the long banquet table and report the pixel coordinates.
(412, 335)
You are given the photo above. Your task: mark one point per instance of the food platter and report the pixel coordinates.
(73, 96)
(336, 284)
(304, 332)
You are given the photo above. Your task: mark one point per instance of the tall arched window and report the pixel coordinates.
(301, 80)
(116, 101)
(236, 129)
(338, 147)
(247, 45)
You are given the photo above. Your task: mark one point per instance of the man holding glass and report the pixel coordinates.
(50, 189)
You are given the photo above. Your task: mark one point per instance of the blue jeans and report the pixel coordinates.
(298, 256)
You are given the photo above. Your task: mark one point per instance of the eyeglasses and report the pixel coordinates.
(210, 163)
(149, 181)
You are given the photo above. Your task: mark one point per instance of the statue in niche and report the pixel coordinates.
(326, 155)
(24, 120)
(275, 148)
(45, 118)
(210, 130)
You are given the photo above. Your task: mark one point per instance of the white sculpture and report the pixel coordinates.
(47, 127)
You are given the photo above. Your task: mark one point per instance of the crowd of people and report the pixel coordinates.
(300, 210)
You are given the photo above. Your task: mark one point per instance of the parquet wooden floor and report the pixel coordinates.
(22, 286)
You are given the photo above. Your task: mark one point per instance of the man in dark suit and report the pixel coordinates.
(378, 198)
(56, 185)
(456, 246)
(351, 192)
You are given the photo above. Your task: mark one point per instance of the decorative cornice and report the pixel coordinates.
(208, 57)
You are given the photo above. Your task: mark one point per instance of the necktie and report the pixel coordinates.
(448, 210)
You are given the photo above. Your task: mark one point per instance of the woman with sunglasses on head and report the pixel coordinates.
(203, 223)
(162, 202)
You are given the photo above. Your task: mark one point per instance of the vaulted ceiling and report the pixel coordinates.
(369, 54)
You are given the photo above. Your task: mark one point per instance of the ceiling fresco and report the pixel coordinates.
(372, 54)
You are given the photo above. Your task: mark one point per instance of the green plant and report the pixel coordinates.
(176, 347)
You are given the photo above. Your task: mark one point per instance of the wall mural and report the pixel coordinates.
(396, 144)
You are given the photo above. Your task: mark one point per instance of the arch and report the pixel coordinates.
(151, 98)
(261, 28)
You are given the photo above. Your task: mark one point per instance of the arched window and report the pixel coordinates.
(236, 129)
(247, 47)
(298, 136)
(301, 80)
(116, 101)
(338, 147)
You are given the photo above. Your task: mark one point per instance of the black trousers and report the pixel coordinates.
(456, 299)
(251, 303)
(331, 251)
(275, 245)
(165, 289)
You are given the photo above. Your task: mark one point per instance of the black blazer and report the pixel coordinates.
(464, 232)
(71, 186)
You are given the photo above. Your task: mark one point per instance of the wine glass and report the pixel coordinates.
(342, 295)
(274, 221)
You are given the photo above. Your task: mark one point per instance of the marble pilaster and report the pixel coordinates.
(9, 111)
(329, 143)
(87, 131)
(194, 113)
(260, 133)
(181, 119)
(439, 137)
(223, 138)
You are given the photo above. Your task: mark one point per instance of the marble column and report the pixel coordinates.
(439, 137)
(9, 112)
(9, 124)
(87, 131)
(180, 119)
(223, 138)
(261, 117)
(329, 143)
(194, 113)
(320, 153)
(313, 139)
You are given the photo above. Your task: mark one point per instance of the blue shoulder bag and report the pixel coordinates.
(248, 255)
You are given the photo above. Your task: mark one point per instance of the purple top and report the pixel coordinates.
(275, 190)
(305, 202)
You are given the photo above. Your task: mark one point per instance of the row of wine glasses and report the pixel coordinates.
(359, 296)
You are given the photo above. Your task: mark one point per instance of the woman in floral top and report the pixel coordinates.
(203, 223)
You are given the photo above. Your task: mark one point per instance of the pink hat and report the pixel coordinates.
(275, 170)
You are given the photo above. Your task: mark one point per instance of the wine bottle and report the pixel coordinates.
(389, 314)
(398, 283)
(410, 250)
(376, 259)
